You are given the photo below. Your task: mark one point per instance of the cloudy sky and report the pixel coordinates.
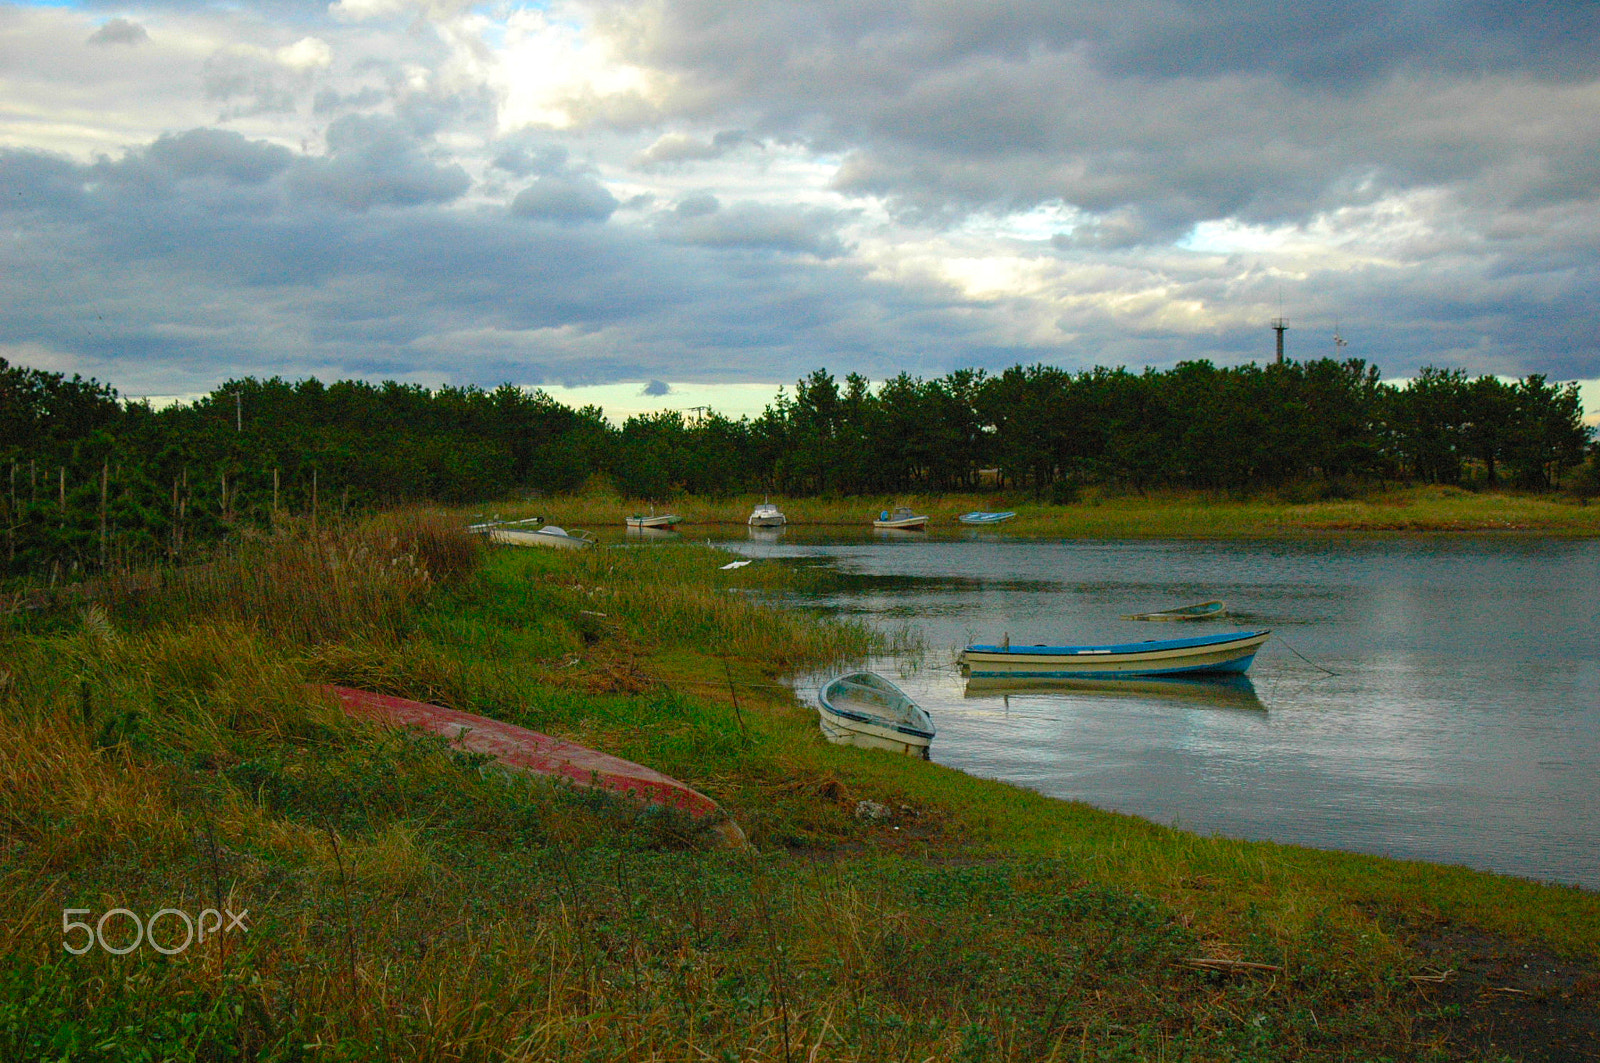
(707, 194)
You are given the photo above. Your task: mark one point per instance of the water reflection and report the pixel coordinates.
(905, 535)
(764, 535)
(1220, 692)
(652, 534)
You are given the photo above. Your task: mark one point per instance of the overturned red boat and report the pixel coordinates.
(525, 750)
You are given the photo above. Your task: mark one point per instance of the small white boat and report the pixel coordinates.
(901, 519)
(981, 517)
(1231, 652)
(549, 535)
(767, 515)
(652, 521)
(1202, 611)
(865, 709)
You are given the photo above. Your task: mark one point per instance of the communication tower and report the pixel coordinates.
(1280, 325)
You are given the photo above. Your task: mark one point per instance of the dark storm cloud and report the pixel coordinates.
(119, 31)
(1172, 111)
(376, 161)
(657, 388)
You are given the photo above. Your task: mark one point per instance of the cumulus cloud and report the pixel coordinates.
(673, 148)
(374, 161)
(656, 387)
(119, 31)
(570, 199)
(701, 219)
(219, 153)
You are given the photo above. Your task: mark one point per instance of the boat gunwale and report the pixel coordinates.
(1145, 648)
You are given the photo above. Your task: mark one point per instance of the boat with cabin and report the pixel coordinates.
(767, 515)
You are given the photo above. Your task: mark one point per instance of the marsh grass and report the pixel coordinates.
(409, 902)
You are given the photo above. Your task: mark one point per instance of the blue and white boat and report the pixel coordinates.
(1229, 653)
(983, 517)
(865, 709)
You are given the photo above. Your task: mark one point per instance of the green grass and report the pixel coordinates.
(162, 750)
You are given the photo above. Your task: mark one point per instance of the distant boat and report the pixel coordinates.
(1231, 652)
(1203, 611)
(519, 749)
(902, 519)
(549, 535)
(865, 709)
(981, 517)
(653, 521)
(767, 515)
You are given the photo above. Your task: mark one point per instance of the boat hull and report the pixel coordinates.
(768, 522)
(653, 522)
(885, 718)
(515, 537)
(1225, 654)
(1203, 611)
(908, 524)
(520, 749)
(985, 518)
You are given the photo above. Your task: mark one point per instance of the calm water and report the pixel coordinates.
(1462, 724)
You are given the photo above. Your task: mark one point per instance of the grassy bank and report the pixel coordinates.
(1096, 515)
(161, 751)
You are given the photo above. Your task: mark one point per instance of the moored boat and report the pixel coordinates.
(1231, 652)
(666, 520)
(1202, 611)
(901, 519)
(549, 535)
(983, 517)
(865, 709)
(767, 515)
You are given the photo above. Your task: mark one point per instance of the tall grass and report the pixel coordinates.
(310, 585)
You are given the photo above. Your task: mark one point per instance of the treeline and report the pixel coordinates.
(95, 481)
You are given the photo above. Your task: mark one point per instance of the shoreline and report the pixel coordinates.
(1436, 511)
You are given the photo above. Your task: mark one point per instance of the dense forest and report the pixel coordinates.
(96, 481)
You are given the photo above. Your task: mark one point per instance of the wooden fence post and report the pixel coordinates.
(105, 478)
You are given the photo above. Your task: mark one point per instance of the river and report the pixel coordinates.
(1432, 698)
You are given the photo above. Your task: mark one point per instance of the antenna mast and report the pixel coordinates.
(1280, 325)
